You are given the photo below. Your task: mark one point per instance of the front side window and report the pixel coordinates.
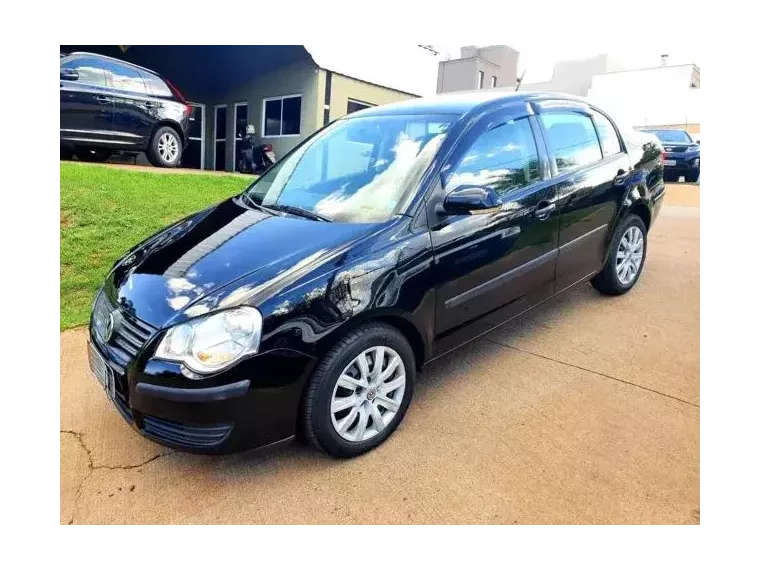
(356, 170)
(90, 70)
(607, 134)
(124, 78)
(504, 159)
(282, 116)
(572, 139)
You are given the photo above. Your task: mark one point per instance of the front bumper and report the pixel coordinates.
(253, 404)
(684, 164)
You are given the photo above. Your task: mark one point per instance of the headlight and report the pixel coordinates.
(209, 344)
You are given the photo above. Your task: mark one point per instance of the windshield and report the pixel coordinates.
(672, 136)
(362, 169)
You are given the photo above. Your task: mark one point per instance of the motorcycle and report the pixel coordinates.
(254, 158)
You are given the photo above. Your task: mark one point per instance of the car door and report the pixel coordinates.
(86, 109)
(590, 171)
(135, 110)
(493, 265)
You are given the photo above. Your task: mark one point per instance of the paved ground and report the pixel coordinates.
(585, 411)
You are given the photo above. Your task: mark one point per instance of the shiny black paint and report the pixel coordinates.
(441, 279)
(106, 117)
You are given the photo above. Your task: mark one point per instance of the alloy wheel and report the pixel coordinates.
(168, 147)
(630, 253)
(368, 394)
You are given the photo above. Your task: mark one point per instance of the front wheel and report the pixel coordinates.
(165, 148)
(360, 391)
(625, 260)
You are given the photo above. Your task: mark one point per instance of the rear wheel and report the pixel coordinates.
(165, 148)
(360, 391)
(625, 260)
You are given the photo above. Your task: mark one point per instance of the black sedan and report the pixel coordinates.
(308, 303)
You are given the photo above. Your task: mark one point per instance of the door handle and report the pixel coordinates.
(102, 99)
(543, 209)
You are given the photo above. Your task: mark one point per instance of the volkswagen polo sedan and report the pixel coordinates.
(308, 303)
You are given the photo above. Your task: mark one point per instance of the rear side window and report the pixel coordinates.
(90, 70)
(504, 158)
(124, 78)
(572, 139)
(607, 134)
(155, 85)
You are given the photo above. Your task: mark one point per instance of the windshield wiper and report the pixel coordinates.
(246, 198)
(303, 212)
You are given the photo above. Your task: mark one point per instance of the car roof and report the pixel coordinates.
(100, 55)
(460, 103)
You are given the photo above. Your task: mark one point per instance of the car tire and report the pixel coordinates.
(92, 154)
(358, 420)
(165, 148)
(67, 152)
(620, 272)
(692, 177)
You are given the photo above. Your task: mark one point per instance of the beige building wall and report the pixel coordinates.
(344, 88)
(301, 78)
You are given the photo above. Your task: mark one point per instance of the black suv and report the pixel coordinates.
(681, 154)
(108, 105)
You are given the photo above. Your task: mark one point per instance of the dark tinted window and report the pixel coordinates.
(241, 120)
(607, 134)
(354, 106)
(155, 85)
(282, 116)
(196, 120)
(291, 116)
(572, 139)
(123, 77)
(273, 117)
(90, 70)
(221, 123)
(504, 158)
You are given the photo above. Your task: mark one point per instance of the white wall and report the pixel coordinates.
(657, 96)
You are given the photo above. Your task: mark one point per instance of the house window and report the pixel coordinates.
(354, 105)
(281, 116)
(493, 81)
(480, 80)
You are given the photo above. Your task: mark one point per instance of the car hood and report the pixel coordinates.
(173, 275)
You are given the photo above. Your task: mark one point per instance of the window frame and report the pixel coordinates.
(481, 77)
(216, 140)
(493, 81)
(547, 107)
(621, 142)
(280, 98)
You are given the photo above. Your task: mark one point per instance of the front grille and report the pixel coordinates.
(184, 435)
(678, 149)
(129, 333)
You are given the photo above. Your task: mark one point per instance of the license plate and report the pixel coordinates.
(101, 370)
(270, 156)
(669, 162)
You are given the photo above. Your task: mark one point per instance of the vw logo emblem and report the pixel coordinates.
(110, 325)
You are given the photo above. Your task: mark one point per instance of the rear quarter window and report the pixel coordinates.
(155, 85)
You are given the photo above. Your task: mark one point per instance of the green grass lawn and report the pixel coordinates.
(105, 211)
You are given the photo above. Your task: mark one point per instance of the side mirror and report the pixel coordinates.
(69, 74)
(469, 199)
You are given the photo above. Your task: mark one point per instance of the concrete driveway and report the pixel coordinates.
(584, 411)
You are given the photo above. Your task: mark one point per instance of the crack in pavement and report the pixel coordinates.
(592, 372)
(92, 467)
